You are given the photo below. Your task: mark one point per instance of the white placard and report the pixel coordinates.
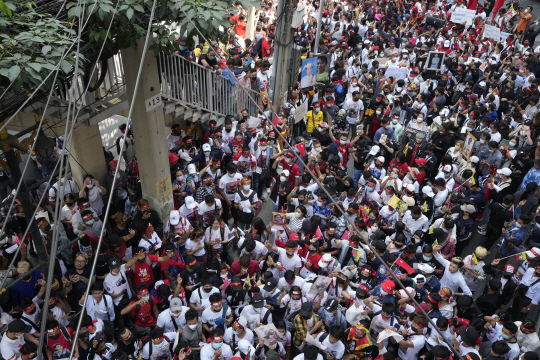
(253, 122)
(300, 112)
(463, 16)
(492, 32)
(153, 102)
(402, 73)
(391, 70)
(504, 35)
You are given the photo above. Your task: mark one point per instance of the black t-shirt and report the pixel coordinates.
(212, 63)
(190, 278)
(102, 265)
(523, 165)
(79, 287)
(324, 139)
(361, 155)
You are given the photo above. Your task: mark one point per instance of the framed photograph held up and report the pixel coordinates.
(468, 147)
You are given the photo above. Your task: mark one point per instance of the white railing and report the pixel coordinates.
(199, 88)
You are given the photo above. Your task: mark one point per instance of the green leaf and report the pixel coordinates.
(129, 13)
(4, 72)
(204, 24)
(65, 66)
(138, 7)
(106, 7)
(5, 9)
(45, 50)
(35, 66)
(13, 72)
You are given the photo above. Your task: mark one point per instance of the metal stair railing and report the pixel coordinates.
(198, 88)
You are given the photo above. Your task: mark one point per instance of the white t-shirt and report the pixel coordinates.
(208, 211)
(410, 353)
(150, 243)
(260, 250)
(291, 304)
(190, 214)
(161, 351)
(301, 357)
(191, 245)
(94, 197)
(283, 285)
(209, 316)
(67, 213)
(117, 284)
(354, 108)
(228, 336)
(165, 320)
(207, 352)
(246, 203)
(288, 263)
(196, 300)
(10, 348)
(230, 185)
(337, 349)
(211, 234)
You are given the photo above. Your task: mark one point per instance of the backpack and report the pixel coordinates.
(147, 340)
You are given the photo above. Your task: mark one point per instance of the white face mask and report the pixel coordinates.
(90, 186)
(177, 315)
(192, 327)
(282, 178)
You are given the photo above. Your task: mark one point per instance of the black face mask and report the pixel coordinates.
(312, 251)
(364, 277)
(306, 317)
(48, 228)
(207, 290)
(340, 281)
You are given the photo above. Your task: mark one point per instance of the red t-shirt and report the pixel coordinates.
(93, 243)
(252, 269)
(171, 261)
(122, 250)
(402, 168)
(343, 150)
(60, 347)
(145, 316)
(143, 272)
(293, 173)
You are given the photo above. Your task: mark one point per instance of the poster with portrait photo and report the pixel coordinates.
(468, 146)
(435, 60)
(323, 67)
(308, 75)
(278, 219)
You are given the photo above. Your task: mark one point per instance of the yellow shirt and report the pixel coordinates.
(312, 120)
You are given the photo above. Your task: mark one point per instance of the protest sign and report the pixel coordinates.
(492, 32)
(463, 16)
(300, 112)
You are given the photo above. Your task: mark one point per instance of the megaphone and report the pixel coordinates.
(433, 21)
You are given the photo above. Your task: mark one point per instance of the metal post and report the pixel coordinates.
(13, 164)
(250, 23)
(279, 39)
(319, 24)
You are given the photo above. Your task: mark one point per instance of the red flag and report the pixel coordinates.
(387, 112)
(226, 283)
(277, 120)
(472, 4)
(405, 266)
(346, 235)
(318, 233)
(302, 148)
(496, 8)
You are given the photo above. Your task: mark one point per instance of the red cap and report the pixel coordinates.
(223, 63)
(293, 237)
(388, 286)
(420, 161)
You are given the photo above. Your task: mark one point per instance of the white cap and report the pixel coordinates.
(174, 218)
(418, 277)
(468, 208)
(191, 169)
(534, 252)
(447, 168)
(426, 268)
(447, 43)
(381, 159)
(474, 159)
(242, 321)
(504, 171)
(244, 346)
(482, 84)
(190, 202)
(206, 147)
(285, 173)
(428, 191)
(366, 41)
(175, 304)
(325, 260)
(374, 150)
(184, 156)
(410, 187)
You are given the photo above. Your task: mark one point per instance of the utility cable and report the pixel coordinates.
(109, 201)
(57, 68)
(291, 150)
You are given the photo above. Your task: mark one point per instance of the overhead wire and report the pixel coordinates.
(57, 68)
(109, 201)
(315, 178)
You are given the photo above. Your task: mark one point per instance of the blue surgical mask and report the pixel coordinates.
(504, 336)
(470, 129)
(426, 258)
(384, 293)
(217, 346)
(247, 187)
(369, 189)
(319, 203)
(327, 314)
(512, 144)
(518, 225)
(342, 142)
(90, 222)
(146, 297)
(461, 108)
(235, 332)
(482, 141)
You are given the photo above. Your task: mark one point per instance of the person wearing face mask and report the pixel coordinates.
(159, 345)
(314, 117)
(100, 306)
(527, 337)
(127, 342)
(93, 191)
(355, 112)
(143, 311)
(238, 332)
(31, 313)
(91, 226)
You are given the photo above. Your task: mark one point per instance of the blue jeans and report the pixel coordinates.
(356, 176)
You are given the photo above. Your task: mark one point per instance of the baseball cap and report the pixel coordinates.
(534, 252)
(474, 159)
(236, 283)
(362, 290)
(306, 309)
(206, 147)
(426, 268)
(19, 326)
(331, 305)
(469, 335)
(374, 150)
(190, 202)
(174, 218)
(410, 290)
(114, 240)
(257, 301)
(172, 158)
(428, 191)
(424, 307)
(270, 284)
(509, 269)
(420, 161)
(325, 260)
(114, 263)
(388, 286)
(504, 171)
(381, 159)
(323, 125)
(447, 168)
(176, 304)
